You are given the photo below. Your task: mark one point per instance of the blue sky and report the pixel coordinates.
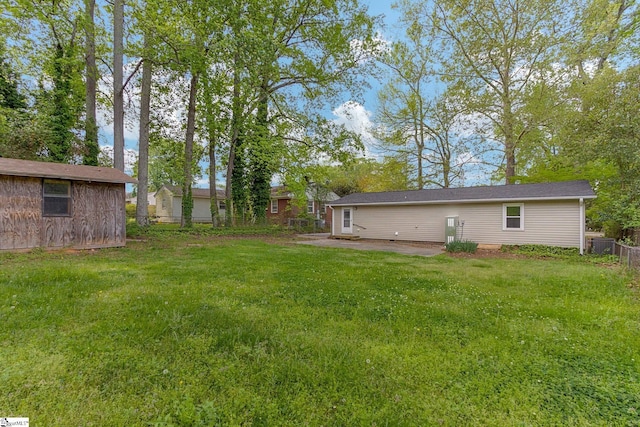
(357, 120)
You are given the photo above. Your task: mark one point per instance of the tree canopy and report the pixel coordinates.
(471, 92)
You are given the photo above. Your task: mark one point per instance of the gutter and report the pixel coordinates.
(445, 202)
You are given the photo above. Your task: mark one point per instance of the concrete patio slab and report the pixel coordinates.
(406, 248)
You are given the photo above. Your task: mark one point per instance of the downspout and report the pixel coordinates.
(582, 225)
(333, 219)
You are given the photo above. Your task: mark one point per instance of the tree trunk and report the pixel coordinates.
(187, 197)
(212, 136)
(118, 95)
(91, 129)
(261, 158)
(234, 139)
(142, 209)
(215, 212)
(509, 142)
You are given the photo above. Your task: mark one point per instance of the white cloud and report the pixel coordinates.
(367, 51)
(356, 118)
(466, 159)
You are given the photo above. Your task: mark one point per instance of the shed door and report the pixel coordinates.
(347, 221)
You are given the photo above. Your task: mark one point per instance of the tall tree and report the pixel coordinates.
(91, 76)
(64, 106)
(142, 210)
(187, 197)
(118, 85)
(299, 55)
(493, 52)
(214, 122)
(415, 125)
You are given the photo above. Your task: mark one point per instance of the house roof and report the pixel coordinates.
(517, 192)
(200, 193)
(282, 192)
(35, 169)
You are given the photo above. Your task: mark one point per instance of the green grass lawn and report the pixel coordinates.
(217, 331)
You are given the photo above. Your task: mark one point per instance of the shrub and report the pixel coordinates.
(542, 251)
(462, 246)
(133, 229)
(130, 210)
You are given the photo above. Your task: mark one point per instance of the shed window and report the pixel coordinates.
(274, 206)
(513, 217)
(57, 198)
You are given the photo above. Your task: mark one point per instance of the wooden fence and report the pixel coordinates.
(629, 255)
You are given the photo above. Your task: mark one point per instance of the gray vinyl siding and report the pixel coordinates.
(553, 223)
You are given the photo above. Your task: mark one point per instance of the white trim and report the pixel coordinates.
(347, 230)
(333, 227)
(582, 225)
(505, 206)
(312, 206)
(276, 209)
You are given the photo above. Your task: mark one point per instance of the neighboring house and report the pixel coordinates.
(281, 209)
(133, 200)
(283, 206)
(547, 214)
(54, 205)
(169, 204)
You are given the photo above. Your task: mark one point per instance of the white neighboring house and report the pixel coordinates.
(550, 214)
(133, 200)
(169, 204)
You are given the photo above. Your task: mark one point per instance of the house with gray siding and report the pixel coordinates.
(550, 214)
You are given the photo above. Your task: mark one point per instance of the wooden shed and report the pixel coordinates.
(54, 205)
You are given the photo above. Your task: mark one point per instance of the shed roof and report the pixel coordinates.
(35, 169)
(517, 192)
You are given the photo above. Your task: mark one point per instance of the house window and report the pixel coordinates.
(274, 206)
(310, 206)
(56, 198)
(513, 217)
(222, 205)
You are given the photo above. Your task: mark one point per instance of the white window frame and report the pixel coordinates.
(274, 206)
(310, 206)
(505, 217)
